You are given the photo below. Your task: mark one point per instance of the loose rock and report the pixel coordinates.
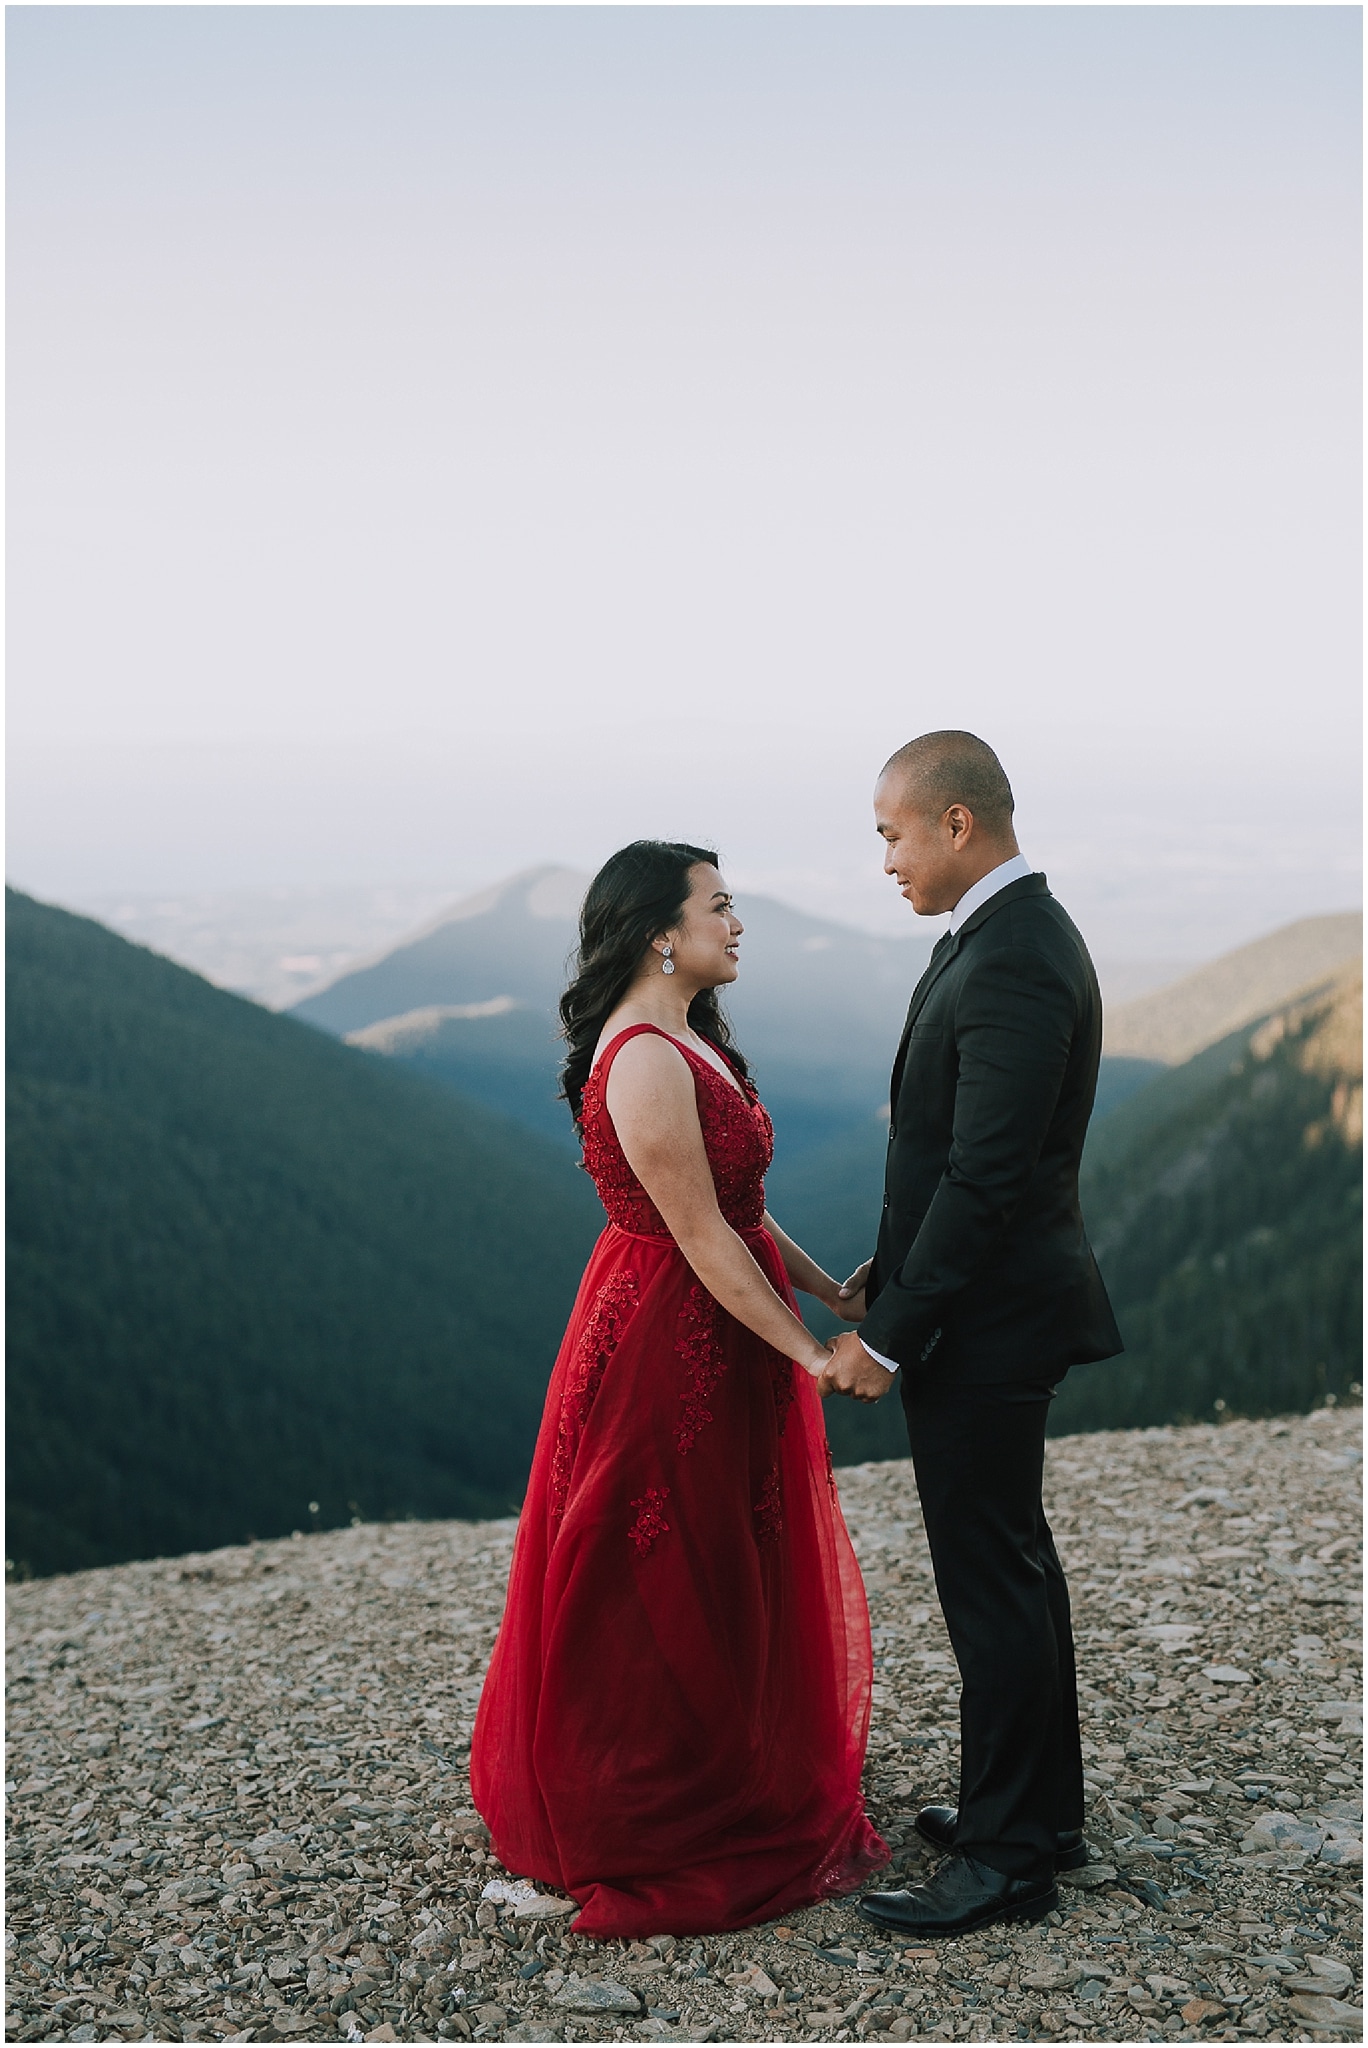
(597, 1995)
(1328, 2012)
(239, 1805)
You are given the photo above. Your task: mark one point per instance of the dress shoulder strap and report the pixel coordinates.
(615, 1045)
(696, 1060)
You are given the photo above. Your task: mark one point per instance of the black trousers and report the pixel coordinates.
(979, 1456)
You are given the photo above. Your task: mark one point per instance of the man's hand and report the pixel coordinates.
(852, 1371)
(850, 1296)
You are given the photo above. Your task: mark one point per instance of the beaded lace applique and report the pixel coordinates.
(599, 1339)
(700, 1347)
(737, 1136)
(649, 1523)
(768, 1511)
(782, 1371)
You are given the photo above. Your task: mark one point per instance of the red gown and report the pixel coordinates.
(674, 1722)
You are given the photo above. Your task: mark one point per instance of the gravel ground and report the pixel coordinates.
(239, 1807)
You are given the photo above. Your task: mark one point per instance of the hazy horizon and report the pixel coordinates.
(444, 440)
(279, 944)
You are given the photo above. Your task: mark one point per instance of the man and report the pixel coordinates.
(982, 1292)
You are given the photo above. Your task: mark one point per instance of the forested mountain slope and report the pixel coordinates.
(1225, 1205)
(252, 1269)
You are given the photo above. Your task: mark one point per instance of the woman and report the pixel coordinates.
(674, 1721)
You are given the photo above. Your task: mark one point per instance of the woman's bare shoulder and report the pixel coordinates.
(649, 1056)
(652, 1100)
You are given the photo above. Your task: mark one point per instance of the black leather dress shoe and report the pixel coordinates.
(963, 1894)
(936, 1824)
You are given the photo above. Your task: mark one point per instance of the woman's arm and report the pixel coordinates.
(805, 1273)
(655, 1114)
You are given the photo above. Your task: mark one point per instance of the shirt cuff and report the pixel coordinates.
(889, 1364)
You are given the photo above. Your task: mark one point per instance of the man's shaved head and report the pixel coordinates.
(944, 768)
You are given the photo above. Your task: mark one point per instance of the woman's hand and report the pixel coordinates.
(855, 1372)
(818, 1365)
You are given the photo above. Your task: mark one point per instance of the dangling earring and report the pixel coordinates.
(666, 963)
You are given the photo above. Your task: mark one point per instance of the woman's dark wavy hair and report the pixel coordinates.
(634, 897)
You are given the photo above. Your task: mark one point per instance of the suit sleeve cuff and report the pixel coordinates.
(889, 1364)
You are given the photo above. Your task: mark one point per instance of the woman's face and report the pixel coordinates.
(705, 939)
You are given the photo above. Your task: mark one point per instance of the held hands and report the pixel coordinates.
(850, 1370)
(845, 1367)
(818, 1366)
(849, 1302)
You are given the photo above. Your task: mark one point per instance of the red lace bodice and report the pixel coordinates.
(737, 1136)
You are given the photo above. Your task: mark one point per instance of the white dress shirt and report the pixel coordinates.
(973, 899)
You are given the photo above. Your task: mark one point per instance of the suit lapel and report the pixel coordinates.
(942, 954)
(945, 950)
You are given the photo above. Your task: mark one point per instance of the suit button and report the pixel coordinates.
(892, 1132)
(885, 1201)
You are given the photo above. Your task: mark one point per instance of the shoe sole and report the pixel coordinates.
(1073, 1859)
(1029, 1910)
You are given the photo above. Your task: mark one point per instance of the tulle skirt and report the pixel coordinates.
(674, 1722)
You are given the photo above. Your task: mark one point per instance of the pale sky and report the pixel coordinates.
(443, 439)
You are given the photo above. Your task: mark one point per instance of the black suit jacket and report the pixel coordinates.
(983, 1263)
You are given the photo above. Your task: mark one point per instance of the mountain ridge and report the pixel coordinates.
(1174, 1023)
(818, 1006)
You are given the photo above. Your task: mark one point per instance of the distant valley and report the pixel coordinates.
(272, 944)
(470, 1001)
(280, 944)
(263, 1278)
